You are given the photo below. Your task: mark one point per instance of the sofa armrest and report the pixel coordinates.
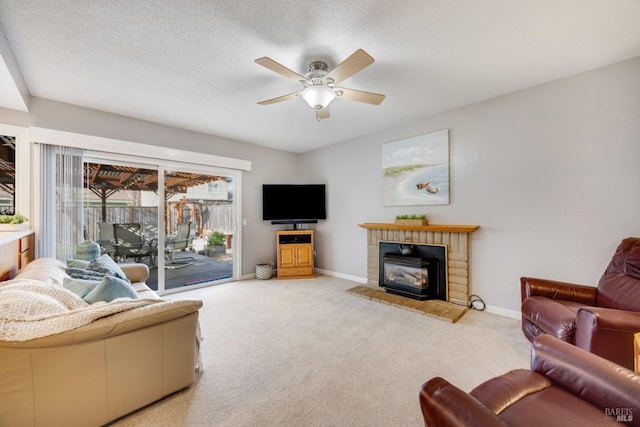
(530, 286)
(549, 316)
(500, 392)
(444, 404)
(136, 272)
(608, 333)
(599, 381)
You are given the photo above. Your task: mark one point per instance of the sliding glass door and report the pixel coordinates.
(199, 228)
(180, 220)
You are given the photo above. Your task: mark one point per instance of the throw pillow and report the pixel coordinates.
(79, 287)
(110, 288)
(87, 250)
(83, 273)
(78, 263)
(107, 266)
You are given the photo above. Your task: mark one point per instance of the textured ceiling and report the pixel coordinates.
(190, 64)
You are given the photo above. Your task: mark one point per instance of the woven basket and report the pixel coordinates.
(264, 271)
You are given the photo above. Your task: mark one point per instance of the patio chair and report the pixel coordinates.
(131, 242)
(106, 238)
(183, 237)
(181, 241)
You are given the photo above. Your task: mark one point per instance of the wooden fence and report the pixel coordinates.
(216, 217)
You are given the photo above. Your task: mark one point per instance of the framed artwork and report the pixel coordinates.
(415, 171)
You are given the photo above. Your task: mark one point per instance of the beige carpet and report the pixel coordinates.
(306, 353)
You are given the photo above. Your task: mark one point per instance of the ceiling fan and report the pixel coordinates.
(319, 84)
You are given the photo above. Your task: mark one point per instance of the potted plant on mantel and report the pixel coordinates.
(411, 220)
(216, 244)
(14, 222)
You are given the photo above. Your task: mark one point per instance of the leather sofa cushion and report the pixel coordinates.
(619, 287)
(47, 270)
(500, 392)
(561, 408)
(518, 396)
(620, 292)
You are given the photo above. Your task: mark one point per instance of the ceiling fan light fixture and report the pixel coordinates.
(319, 84)
(318, 96)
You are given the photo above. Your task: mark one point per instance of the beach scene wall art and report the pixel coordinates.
(415, 171)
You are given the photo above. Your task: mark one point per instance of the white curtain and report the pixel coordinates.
(61, 207)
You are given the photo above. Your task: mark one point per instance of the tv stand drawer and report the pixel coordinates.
(292, 239)
(295, 272)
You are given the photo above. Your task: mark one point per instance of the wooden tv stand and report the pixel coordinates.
(295, 254)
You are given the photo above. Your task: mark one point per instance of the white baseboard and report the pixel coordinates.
(342, 276)
(505, 312)
(317, 270)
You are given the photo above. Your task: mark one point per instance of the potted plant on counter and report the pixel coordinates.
(14, 222)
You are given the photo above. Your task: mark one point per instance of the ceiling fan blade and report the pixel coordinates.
(322, 114)
(358, 61)
(360, 96)
(279, 98)
(280, 69)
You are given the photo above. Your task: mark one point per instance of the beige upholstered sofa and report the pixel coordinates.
(95, 373)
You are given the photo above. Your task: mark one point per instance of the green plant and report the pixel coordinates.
(415, 216)
(216, 238)
(13, 219)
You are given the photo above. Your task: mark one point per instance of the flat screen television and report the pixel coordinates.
(293, 204)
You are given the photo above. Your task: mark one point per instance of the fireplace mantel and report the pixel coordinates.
(431, 227)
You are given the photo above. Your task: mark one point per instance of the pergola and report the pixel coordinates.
(105, 180)
(8, 164)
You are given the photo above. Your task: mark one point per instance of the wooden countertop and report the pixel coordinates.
(11, 236)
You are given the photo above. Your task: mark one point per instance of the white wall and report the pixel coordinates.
(268, 165)
(550, 173)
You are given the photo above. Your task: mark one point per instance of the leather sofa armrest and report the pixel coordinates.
(499, 393)
(549, 316)
(136, 272)
(607, 333)
(444, 405)
(530, 286)
(601, 382)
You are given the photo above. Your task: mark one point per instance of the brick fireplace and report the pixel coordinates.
(454, 237)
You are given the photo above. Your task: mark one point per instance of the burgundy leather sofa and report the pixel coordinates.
(601, 320)
(566, 386)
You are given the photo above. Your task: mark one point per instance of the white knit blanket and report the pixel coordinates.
(32, 309)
